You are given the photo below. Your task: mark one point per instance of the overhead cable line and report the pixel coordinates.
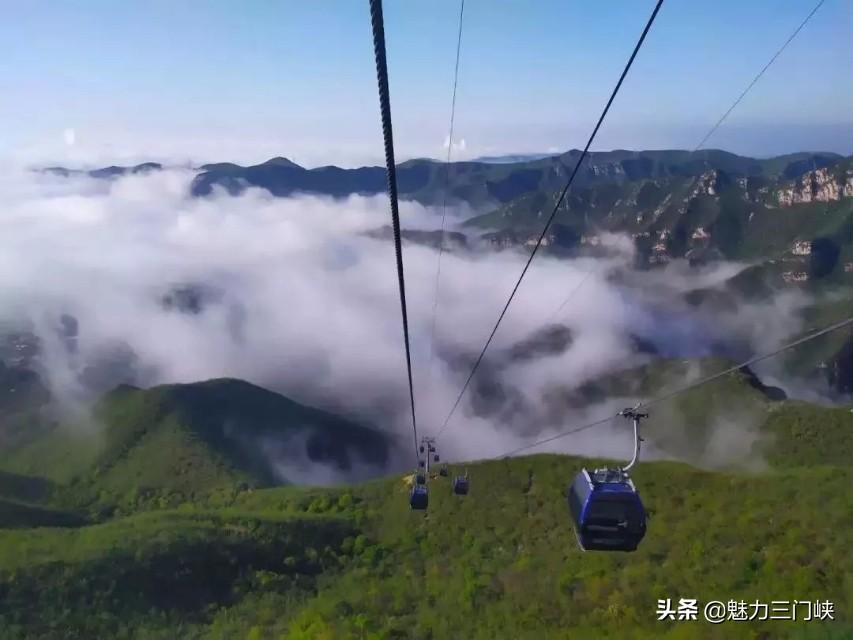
(671, 394)
(576, 288)
(446, 185)
(554, 212)
(758, 76)
(751, 361)
(560, 435)
(718, 123)
(377, 23)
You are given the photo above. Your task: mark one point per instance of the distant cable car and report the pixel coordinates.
(461, 485)
(605, 506)
(419, 498)
(443, 472)
(420, 478)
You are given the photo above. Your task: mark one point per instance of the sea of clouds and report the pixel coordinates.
(297, 298)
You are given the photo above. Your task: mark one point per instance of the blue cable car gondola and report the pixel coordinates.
(419, 498)
(607, 511)
(460, 485)
(605, 506)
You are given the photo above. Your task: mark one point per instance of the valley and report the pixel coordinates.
(278, 507)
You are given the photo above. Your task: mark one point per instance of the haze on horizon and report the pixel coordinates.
(216, 81)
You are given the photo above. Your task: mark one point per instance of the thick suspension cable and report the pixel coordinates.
(377, 23)
(446, 186)
(758, 76)
(671, 394)
(554, 212)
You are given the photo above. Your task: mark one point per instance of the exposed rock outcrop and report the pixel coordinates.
(821, 185)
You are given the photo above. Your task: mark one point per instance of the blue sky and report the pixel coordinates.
(222, 80)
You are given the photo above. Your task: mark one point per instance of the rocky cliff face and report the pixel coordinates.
(710, 183)
(820, 185)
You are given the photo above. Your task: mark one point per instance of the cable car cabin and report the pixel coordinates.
(420, 479)
(443, 472)
(419, 498)
(607, 511)
(460, 486)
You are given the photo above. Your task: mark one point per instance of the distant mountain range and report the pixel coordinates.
(700, 205)
(105, 172)
(488, 181)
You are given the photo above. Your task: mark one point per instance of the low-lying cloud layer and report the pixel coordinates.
(292, 295)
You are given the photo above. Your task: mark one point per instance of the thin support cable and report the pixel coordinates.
(554, 212)
(446, 189)
(758, 77)
(791, 345)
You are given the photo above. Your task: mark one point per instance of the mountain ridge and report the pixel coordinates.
(418, 179)
(172, 441)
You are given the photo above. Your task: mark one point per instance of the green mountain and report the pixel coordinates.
(22, 505)
(161, 518)
(502, 562)
(172, 442)
(105, 172)
(722, 211)
(485, 183)
(702, 204)
(699, 205)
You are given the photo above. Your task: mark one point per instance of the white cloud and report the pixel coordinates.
(459, 145)
(309, 305)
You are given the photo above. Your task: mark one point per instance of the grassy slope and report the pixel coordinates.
(170, 443)
(501, 563)
(157, 575)
(804, 436)
(59, 455)
(355, 562)
(21, 504)
(14, 515)
(504, 563)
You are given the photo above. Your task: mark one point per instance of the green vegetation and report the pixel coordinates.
(14, 514)
(803, 435)
(696, 208)
(501, 563)
(166, 445)
(205, 554)
(161, 520)
(160, 575)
